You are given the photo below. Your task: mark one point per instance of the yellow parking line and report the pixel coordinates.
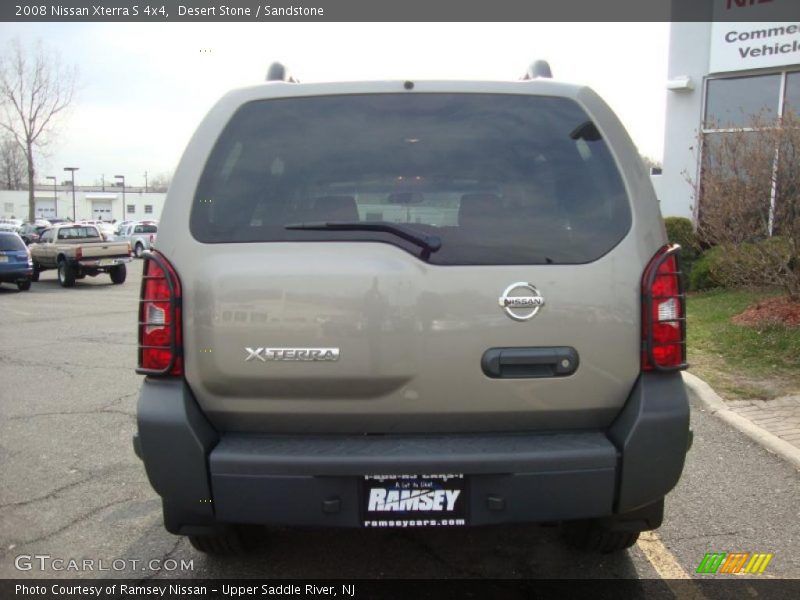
(667, 566)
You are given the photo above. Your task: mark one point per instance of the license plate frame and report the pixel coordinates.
(414, 500)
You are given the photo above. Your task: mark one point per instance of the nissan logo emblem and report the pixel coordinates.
(521, 301)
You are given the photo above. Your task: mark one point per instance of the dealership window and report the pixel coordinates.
(148, 209)
(130, 209)
(792, 97)
(733, 104)
(8, 207)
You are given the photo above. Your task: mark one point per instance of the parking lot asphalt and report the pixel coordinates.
(73, 488)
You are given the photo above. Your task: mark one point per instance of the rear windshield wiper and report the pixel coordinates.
(428, 243)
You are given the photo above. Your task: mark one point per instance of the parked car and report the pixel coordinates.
(15, 261)
(10, 224)
(77, 251)
(141, 235)
(412, 304)
(30, 232)
(107, 230)
(121, 226)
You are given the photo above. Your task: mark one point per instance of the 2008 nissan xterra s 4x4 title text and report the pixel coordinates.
(404, 304)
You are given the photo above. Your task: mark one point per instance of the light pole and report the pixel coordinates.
(124, 207)
(55, 193)
(72, 170)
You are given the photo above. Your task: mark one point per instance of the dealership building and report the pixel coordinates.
(721, 74)
(95, 203)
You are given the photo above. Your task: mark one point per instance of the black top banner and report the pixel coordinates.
(153, 11)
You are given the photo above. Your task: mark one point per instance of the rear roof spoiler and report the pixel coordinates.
(539, 69)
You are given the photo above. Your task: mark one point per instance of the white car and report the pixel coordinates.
(10, 224)
(107, 230)
(141, 235)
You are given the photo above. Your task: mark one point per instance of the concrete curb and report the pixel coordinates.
(716, 406)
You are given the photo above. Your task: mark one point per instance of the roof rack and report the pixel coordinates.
(278, 72)
(538, 69)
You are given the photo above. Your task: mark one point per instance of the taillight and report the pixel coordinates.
(663, 313)
(152, 237)
(78, 253)
(160, 338)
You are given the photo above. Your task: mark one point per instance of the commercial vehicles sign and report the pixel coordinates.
(758, 41)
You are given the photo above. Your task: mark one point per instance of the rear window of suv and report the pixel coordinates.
(11, 242)
(499, 178)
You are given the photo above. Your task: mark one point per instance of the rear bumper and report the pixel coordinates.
(14, 273)
(102, 263)
(206, 479)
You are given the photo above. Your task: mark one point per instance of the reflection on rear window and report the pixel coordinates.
(11, 242)
(501, 179)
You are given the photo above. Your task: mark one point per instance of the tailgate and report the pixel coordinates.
(13, 260)
(104, 249)
(316, 300)
(410, 339)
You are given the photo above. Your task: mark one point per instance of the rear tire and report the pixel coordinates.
(230, 542)
(591, 536)
(24, 285)
(66, 274)
(139, 250)
(118, 274)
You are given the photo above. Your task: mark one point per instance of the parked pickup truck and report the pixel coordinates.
(142, 236)
(77, 251)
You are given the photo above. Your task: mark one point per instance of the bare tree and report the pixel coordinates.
(160, 182)
(749, 202)
(12, 164)
(34, 88)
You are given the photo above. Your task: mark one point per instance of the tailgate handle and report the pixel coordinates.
(520, 363)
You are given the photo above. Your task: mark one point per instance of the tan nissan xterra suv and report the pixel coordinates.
(412, 304)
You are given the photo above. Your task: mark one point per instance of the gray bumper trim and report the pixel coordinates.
(207, 479)
(242, 454)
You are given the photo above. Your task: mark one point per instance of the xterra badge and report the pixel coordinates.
(301, 354)
(521, 301)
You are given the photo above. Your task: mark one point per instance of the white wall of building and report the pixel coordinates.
(689, 48)
(88, 204)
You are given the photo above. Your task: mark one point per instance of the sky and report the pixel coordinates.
(143, 88)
